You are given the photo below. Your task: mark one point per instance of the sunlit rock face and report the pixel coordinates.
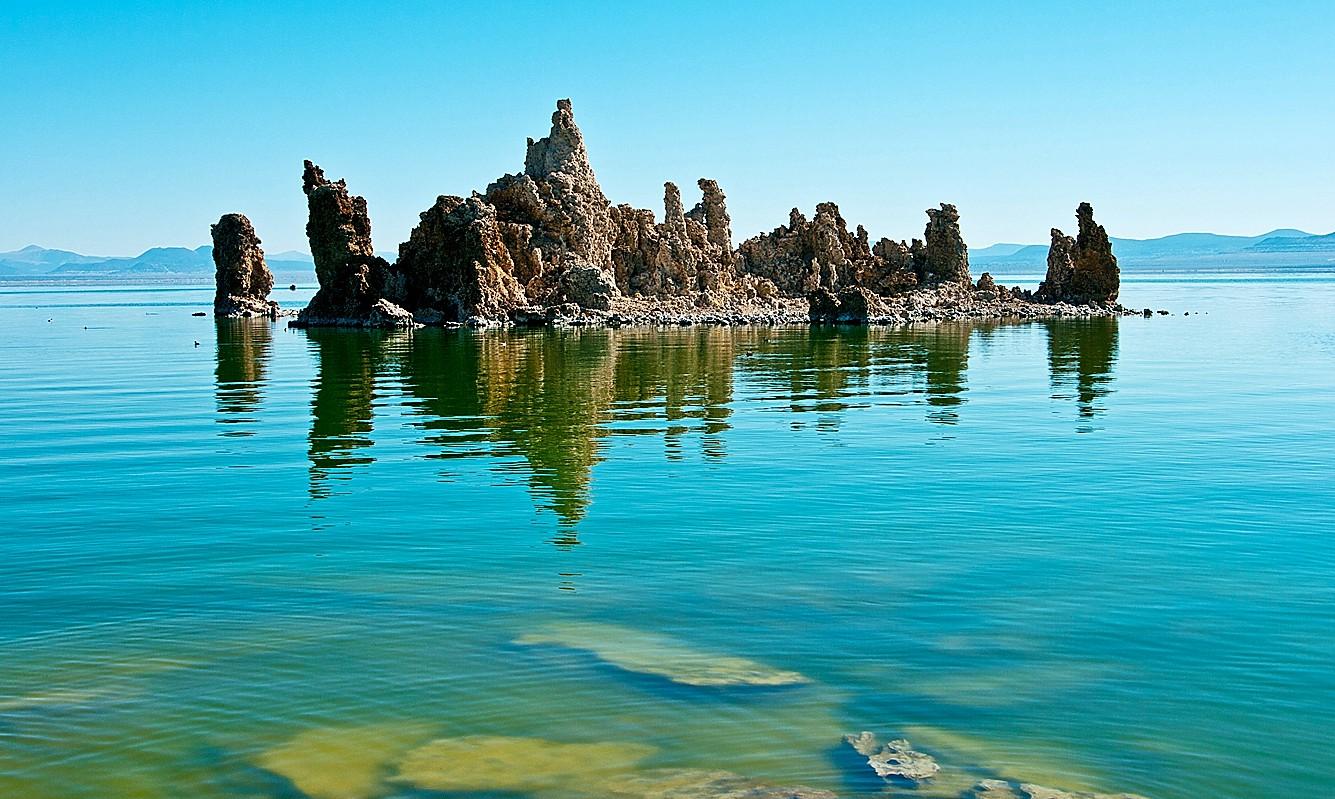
(243, 278)
(946, 258)
(1083, 269)
(357, 287)
(806, 255)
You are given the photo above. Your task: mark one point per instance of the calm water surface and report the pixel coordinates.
(1091, 555)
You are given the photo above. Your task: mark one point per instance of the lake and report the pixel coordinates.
(245, 561)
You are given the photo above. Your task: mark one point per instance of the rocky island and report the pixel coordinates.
(546, 246)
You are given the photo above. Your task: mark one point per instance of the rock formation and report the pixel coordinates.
(545, 246)
(895, 760)
(243, 278)
(1001, 789)
(804, 256)
(946, 259)
(354, 281)
(1081, 270)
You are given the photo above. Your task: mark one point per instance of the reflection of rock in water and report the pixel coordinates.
(547, 396)
(243, 356)
(947, 359)
(824, 370)
(831, 370)
(1081, 356)
(342, 409)
(683, 377)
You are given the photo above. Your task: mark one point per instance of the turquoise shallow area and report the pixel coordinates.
(1092, 555)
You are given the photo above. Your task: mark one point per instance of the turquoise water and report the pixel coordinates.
(1090, 555)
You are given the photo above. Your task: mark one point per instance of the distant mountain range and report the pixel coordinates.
(34, 261)
(1279, 249)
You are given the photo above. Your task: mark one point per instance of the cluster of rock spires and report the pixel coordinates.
(546, 245)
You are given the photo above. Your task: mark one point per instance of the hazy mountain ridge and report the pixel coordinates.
(35, 261)
(1285, 248)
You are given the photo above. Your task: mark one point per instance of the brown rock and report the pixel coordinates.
(243, 278)
(456, 262)
(352, 277)
(945, 258)
(1081, 270)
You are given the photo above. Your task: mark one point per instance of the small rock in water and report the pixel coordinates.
(292, 287)
(699, 784)
(895, 760)
(1001, 789)
(647, 652)
(1148, 313)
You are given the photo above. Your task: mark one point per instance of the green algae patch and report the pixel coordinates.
(522, 765)
(342, 762)
(660, 655)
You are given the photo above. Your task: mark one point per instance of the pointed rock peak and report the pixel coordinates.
(714, 208)
(673, 215)
(312, 177)
(562, 150)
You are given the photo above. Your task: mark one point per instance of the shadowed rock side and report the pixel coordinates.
(242, 277)
(355, 283)
(544, 246)
(1081, 270)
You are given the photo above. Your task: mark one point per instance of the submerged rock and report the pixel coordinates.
(342, 762)
(895, 760)
(1000, 789)
(700, 784)
(242, 277)
(482, 763)
(1081, 270)
(660, 655)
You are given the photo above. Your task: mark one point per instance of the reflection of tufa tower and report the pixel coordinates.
(343, 406)
(1081, 356)
(243, 358)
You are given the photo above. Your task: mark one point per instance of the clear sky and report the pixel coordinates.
(128, 125)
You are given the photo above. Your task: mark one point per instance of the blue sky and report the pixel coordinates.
(129, 125)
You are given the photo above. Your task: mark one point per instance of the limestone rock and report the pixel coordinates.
(456, 262)
(946, 258)
(851, 305)
(573, 216)
(1081, 270)
(895, 760)
(681, 256)
(243, 278)
(589, 287)
(352, 277)
(803, 256)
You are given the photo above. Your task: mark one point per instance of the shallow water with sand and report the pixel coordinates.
(1092, 555)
